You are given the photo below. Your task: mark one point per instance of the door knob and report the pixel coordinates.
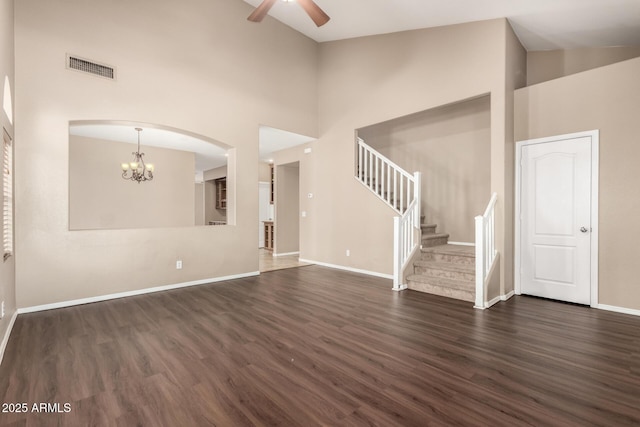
(583, 229)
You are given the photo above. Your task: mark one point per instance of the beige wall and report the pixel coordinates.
(515, 78)
(198, 195)
(546, 65)
(370, 80)
(264, 172)
(201, 76)
(451, 146)
(196, 65)
(607, 99)
(287, 208)
(100, 199)
(7, 267)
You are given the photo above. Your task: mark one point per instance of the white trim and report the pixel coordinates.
(132, 293)
(462, 243)
(595, 224)
(287, 253)
(595, 162)
(623, 310)
(353, 270)
(507, 296)
(495, 300)
(7, 334)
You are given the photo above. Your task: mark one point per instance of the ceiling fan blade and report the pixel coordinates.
(315, 13)
(261, 11)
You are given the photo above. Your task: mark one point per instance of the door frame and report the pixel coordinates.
(595, 161)
(266, 186)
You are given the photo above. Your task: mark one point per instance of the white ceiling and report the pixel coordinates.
(540, 24)
(272, 140)
(207, 154)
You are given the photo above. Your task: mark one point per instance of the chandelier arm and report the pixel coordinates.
(139, 173)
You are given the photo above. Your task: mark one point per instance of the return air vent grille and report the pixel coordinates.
(86, 66)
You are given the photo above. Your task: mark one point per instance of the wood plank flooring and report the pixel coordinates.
(269, 262)
(313, 346)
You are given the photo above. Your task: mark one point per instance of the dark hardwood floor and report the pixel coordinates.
(314, 346)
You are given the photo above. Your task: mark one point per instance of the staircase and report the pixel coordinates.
(444, 269)
(453, 271)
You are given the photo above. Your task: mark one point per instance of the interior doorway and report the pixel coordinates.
(285, 230)
(280, 238)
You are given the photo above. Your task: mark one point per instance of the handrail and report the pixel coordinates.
(380, 155)
(391, 183)
(401, 191)
(485, 249)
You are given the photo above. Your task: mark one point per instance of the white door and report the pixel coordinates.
(556, 223)
(263, 209)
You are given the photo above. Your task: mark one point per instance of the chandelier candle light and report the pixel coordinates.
(139, 171)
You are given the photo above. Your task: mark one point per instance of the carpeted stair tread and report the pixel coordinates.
(449, 266)
(451, 288)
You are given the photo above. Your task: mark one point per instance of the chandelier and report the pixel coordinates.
(137, 170)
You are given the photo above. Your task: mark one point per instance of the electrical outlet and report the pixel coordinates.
(348, 252)
(179, 264)
(2, 310)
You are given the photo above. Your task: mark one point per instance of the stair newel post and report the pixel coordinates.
(480, 238)
(397, 259)
(417, 192)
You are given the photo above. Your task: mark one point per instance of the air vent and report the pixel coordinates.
(91, 67)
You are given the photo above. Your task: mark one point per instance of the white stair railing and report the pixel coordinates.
(391, 183)
(406, 237)
(485, 249)
(401, 191)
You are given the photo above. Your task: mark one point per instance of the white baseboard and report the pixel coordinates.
(494, 301)
(462, 243)
(7, 334)
(353, 270)
(132, 293)
(507, 296)
(287, 253)
(623, 310)
(497, 299)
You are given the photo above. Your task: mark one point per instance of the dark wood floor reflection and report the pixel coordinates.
(313, 346)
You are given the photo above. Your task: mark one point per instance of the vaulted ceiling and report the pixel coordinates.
(539, 24)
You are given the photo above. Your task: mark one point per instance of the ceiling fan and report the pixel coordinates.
(313, 10)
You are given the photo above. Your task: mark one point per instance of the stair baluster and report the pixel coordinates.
(371, 166)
